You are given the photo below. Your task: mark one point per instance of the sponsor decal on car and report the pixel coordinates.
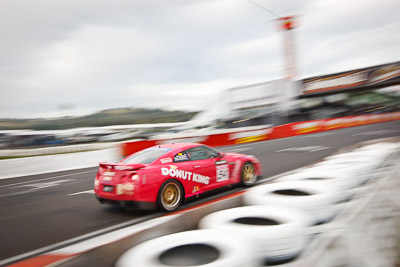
(174, 172)
(125, 189)
(181, 157)
(166, 160)
(196, 188)
(221, 162)
(222, 172)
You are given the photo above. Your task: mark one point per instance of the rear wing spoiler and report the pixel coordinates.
(119, 166)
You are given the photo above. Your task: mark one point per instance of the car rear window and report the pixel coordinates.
(147, 156)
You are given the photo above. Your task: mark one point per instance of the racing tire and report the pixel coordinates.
(211, 248)
(348, 165)
(279, 234)
(388, 147)
(318, 200)
(331, 176)
(345, 183)
(170, 195)
(248, 174)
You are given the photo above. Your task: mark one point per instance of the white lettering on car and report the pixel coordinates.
(174, 172)
(166, 160)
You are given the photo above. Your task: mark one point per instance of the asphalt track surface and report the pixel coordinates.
(42, 210)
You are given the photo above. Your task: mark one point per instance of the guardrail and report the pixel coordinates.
(262, 133)
(215, 138)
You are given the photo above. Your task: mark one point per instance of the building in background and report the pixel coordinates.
(269, 102)
(362, 91)
(355, 92)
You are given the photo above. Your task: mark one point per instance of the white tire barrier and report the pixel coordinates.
(362, 168)
(389, 147)
(374, 154)
(373, 158)
(331, 177)
(365, 160)
(318, 200)
(278, 233)
(209, 248)
(350, 160)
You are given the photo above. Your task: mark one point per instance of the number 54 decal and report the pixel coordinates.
(222, 172)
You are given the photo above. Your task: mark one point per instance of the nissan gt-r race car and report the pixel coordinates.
(163, 176)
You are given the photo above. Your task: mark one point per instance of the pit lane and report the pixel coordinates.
(43, 210)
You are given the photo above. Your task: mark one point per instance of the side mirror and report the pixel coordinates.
(220, 155)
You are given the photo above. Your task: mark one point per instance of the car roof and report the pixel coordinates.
(182, 146)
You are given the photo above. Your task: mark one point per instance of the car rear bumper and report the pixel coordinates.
(140, 205)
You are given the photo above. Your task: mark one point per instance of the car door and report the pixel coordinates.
(208, 168)
(181, 169)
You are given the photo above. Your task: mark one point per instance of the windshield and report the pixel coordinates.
(147, 156)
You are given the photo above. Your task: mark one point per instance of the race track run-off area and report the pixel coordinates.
(44, 212)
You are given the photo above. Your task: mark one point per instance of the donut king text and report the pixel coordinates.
(185, 175)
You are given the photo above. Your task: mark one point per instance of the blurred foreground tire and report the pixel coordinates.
(372, 159)
(209, 248)
(319, 201)
(342, 181)
(279, 234)
(373, 154)
(361, 168)
(385, 147)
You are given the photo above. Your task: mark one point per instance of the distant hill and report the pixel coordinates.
(119, 116)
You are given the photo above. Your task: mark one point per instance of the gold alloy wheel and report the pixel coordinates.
(248, 173)
(170, 196)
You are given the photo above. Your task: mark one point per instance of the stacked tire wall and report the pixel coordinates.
(359, 229)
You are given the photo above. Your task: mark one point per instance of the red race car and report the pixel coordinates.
(163, 176)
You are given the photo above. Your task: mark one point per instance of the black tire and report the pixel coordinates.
(248, 174)
(170, 195)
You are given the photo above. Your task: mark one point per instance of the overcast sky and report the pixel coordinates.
(90, 55)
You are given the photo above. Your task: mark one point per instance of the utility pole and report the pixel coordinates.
(287, 25)
(291, 88)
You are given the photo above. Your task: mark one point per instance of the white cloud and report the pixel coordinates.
(174, 53)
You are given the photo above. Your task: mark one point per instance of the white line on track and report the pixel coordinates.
(55, 177)
(380, 132)
(82, 192)
(145, 223)
(304, 149)
(37, 186)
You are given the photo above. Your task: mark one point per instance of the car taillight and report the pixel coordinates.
(134, 176)
(98, 174)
